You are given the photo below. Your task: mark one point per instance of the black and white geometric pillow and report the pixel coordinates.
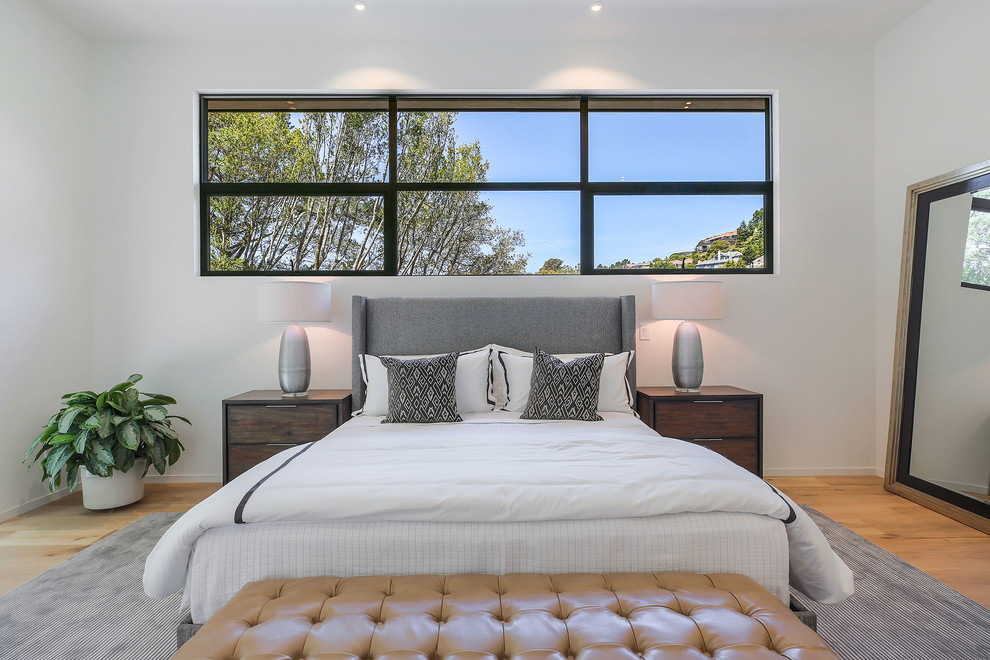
(422, 391)
(564, 390)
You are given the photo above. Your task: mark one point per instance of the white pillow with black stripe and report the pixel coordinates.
(471, 382)
(564, 390)
(615, 394)
(422, 391)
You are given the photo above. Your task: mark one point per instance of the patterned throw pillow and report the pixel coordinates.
(422, 390)
(564, 390)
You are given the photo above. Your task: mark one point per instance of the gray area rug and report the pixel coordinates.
(92, 606)
(897, 611)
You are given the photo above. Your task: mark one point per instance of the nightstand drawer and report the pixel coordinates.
(741, 451)
(274, 423)
(241, 458)
(707, 418)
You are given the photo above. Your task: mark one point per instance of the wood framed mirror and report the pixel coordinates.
(938, 452)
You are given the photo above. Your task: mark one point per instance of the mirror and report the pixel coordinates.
(939, 446)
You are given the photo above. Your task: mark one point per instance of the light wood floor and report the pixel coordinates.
(33, 543)
(947, 550)
(950, 551)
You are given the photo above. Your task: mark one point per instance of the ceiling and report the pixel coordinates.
(474, 20)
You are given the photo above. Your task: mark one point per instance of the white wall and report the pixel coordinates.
(932, 117)
(803, 337)
(46, 293)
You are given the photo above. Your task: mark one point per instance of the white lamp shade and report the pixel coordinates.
(687, 301)
(292, 302)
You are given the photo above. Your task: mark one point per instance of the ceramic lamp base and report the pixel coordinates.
(294, 361)
(687, 362)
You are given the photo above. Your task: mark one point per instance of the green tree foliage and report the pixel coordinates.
(743, 232)
(439, 232)
(752, 248)
(443, 232)
(556, 266)
(660, 262)
(716, 247)
(976, 261)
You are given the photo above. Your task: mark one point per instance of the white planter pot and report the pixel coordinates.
(112, 492)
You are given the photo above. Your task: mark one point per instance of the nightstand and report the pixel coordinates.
(725, 419)
(261, 423)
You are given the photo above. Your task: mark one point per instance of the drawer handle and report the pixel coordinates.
(280, 444)
(709, 439)
(709, 401)
(280, 406)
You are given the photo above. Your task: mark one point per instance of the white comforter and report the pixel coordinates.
(496, 467)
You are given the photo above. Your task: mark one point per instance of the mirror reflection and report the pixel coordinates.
(950, 444)
(976, 260)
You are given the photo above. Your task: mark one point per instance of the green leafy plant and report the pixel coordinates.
(106, 432)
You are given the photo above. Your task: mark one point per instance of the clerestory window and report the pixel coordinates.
(451, 185)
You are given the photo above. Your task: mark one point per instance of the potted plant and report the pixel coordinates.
(99, 438)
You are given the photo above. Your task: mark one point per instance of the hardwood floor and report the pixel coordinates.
(34, 542)
(950, 551)
(956, 554)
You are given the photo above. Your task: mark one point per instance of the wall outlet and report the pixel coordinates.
(644, 332)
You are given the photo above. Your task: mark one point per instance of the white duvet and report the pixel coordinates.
(495, 467)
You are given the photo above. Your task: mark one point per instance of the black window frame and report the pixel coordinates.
(588, 190)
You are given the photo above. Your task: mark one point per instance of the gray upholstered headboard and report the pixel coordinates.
(557, 324)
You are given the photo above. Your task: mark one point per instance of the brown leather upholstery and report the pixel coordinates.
(578, 616)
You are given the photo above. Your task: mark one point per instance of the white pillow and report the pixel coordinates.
(614, 391)
(470, 382)
(496, 374)
(497, 383)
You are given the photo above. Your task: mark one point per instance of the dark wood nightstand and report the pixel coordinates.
(261, 423)
(724, 419)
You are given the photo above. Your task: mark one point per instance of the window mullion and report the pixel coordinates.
(587, 199)
(391, 229)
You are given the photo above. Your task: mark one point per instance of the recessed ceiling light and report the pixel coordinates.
(597, 6)
(360, 6)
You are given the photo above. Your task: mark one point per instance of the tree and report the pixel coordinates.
(743, 232)
(750, 254)
(620, 264)
(660, 262)
(755, 243)
(556, 266)
(296, 232)
(976, 259)
(439, 232)
(756, 222)
(716, 247)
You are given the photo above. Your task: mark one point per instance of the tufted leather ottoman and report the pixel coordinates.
(584, 616)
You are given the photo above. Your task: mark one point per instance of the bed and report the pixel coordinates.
(492, 493)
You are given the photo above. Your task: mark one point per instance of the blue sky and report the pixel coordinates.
(537, 146)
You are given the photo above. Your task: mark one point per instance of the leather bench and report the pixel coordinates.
(580, 616)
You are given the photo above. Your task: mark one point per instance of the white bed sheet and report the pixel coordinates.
(225, 559)
(495, 468)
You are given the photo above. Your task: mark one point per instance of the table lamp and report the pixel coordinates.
(293, 302)
(687, 301)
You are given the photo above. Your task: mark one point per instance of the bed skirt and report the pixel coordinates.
(225, 559)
